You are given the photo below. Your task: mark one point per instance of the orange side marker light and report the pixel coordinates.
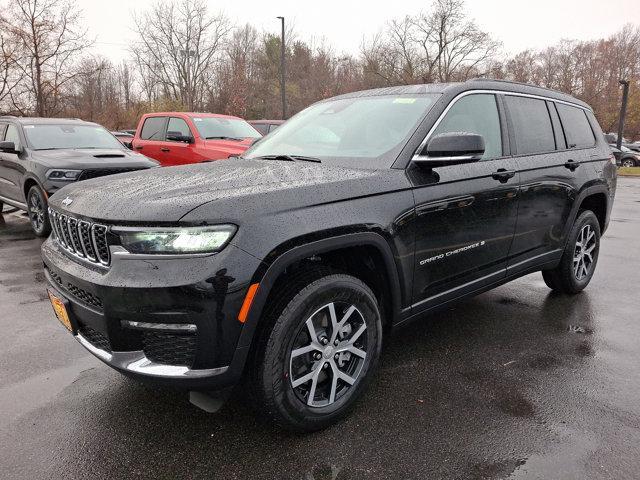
(248, 300)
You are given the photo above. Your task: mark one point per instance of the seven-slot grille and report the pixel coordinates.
(83, 239)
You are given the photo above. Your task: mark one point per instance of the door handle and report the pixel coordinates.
(164, 149)
(503, 175)
(571, 165)
(139, 147)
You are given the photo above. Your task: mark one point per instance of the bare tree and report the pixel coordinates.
(8, 73)
(178, 45)
(48, 40)
(440, 45)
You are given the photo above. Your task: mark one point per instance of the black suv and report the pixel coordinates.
(38, 156)
(364, 211)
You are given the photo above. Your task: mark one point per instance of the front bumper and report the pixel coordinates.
(157, 295)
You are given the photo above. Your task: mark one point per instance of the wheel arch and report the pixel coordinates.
(29, 182)
(268, 277)
(594, 198)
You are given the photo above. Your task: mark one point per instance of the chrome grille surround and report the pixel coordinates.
(82, 239)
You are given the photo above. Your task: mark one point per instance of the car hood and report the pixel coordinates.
(82, 159)
(226, 191)
(232, 147)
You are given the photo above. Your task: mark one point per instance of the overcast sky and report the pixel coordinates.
(344, 23)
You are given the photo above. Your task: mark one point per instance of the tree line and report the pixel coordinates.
(187, 57)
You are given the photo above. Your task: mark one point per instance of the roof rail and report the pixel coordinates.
(510, 82)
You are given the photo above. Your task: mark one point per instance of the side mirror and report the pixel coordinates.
(8, 147)
(174, 137)
(452, 148)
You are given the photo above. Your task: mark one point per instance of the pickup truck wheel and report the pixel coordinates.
(580, 256)
(320, 354)
(37, 210)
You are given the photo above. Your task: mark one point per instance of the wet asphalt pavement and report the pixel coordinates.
(515, 383)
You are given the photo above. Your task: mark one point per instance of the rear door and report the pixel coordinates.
(465, 214)
(151, 141)
(550, 178)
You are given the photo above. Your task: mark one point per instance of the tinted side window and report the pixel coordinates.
(263, 128)
(477, 113)
(12, 135)
(576, 126)
(153, 129)
(178, 126)
(531, 124)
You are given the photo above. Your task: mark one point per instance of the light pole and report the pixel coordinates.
(623, 111)
(282, 73)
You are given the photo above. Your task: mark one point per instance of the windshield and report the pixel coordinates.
(220, 127)
(355, 131)
(53, 137)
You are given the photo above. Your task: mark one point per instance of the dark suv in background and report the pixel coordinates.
(38, 156)
(359, 214)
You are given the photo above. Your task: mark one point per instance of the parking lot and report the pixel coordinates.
(515, 383)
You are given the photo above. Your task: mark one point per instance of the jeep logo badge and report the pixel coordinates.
(67, 201)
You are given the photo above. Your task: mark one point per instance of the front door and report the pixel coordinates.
(465, 214)
(177, 152)
(12, 167)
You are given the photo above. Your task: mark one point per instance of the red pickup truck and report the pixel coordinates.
(177, 138)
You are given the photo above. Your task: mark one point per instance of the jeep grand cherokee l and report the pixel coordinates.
(38, 156)
(361, 213)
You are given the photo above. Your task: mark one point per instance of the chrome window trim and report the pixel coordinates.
(415, 155)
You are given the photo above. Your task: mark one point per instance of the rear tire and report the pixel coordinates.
(329, 333)
(37, 208)
(628, 163)
(580, 257)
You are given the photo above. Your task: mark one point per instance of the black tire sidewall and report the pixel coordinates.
(46, 226)
(572, 284)
(276, 383)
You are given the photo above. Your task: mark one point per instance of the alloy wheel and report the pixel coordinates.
(328, 354)
(584, 252)
(628, 163)
(36, 211)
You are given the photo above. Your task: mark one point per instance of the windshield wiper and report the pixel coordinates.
(289, 158)
(223, 137)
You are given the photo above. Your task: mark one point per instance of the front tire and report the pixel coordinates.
(321, 352)
(37, 206)
(580, 257)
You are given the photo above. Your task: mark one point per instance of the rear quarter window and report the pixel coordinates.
(263, 128)
(531, 125)
(576, 126)
(153, 128)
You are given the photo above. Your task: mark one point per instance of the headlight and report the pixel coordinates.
(58, 174)
(177, 240)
